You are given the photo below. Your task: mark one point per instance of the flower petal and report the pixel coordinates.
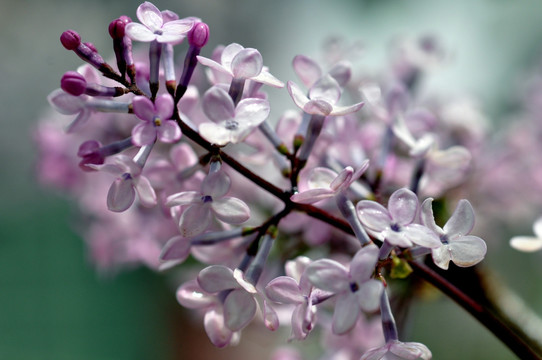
(144, 108)
(169, 131)
(121, 195)
(216, 329)
(231, 210)
(218, 105)
(420, 235)
(526, 243)
(252, 112)
(192, 296)
(312, 196)
(321, 178)
(467, 250)
(145, 191)
(247, 64)
(215, 134)
(345, 110)
(427, 217)
(346, 313)
(183, 198)
(299, 98)
(150, 16)
(327, 89)
(373, 215)
(239, 309)
(307, 70)
(403, 206)
(328, 275)
(228, 54)
(369, 295)
(195, 220)
(177, 248)
(441, 256)
(216, 278)
(266, 78)
(213, 65)
(462, 220)
(163, 106)
(363, 263)
(144, 133)
(139, 32)
(284, 290)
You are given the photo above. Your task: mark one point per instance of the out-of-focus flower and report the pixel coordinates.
(529, 243)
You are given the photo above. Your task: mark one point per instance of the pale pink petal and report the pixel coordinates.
(138, 32)
(375, 354)
(177, 248)
(344, 177)
(299, 98)
(266, 78)
(216, 329)
(537, 227)
(163, 107)
(252, 112)
(467, 250)
(214, 65)
(328, 275)
(403, 206)
(462, 220)
(346, 313)
(215, 134)
(216, 278)
(373, 215)
(345, 110)
(526, 243)
(80, 120)
(230, 210)
(218, 105)
(121, 195)
(307, 70)
(420, 235)
(169, 131)
(427, 217)
(369, 295)
(143, 108)
(65, 103)
(150, 16)
(363, 263)
(192, 296)
(284, 290)
(410, 350)
(247, 64)
(327, 89)
(321, 178)
(441, 257)
(169, 37)
(144, 133)
(270, 317)
(318, 107)
(239, 309)
(183, 198)
(312, 196)
(145, 191)
(178, 27)
(216, 184)
(228, 54)
(195, 220)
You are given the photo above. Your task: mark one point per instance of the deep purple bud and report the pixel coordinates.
(199, 35)
(70, 39)
(116, 28)
(90, 153)
(73, 83)
(125, 18)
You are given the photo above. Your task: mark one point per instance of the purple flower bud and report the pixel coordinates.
(116, 28)
(73, 83)
(90, 153)
(126, 19)
(70, 39)
(199, 35)
(91, 47)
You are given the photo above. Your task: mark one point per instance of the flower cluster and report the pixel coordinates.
(353, 168)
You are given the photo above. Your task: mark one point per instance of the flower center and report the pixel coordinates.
(444, 239)
(206, 199)
(158, 32)
(354, 287)
(395, 227)
(157, 121)
(231, 124)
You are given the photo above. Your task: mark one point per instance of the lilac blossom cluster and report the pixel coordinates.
(305, 222)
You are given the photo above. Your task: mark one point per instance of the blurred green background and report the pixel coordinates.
(52, 303)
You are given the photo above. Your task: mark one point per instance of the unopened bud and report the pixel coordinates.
(70, 39)
(73, 83)
(199, 35)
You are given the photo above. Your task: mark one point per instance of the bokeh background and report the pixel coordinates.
(53, 305)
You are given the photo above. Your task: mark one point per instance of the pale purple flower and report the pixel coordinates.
(309, 71)
(396, 223)
(129, 181)
(324, 183)
(208, 203)
(322, 99)
(354, 288)
(456, 245)
(231, 124)
(242, 63)
(295, 289)
(529, 243)
(398, 350)
(156, 120)
(154, 27)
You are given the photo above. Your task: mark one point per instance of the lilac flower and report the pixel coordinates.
(354, 288)
(457, 246)
(325, 183)
(232, 124)
(309, 71)
(156, 120)
(397, 350)
(129, 180)
(323, 96)
(241, 63)
(209, 202)
(295, 289)
(529, 243)
(396, 224)
(155, 28)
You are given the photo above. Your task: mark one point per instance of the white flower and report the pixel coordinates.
(529, 243)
